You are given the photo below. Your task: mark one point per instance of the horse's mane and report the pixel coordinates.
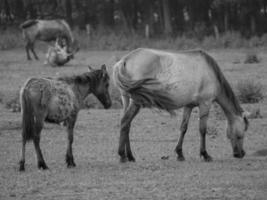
(225, 86)
(93, 77)
(142, 92)
(28, 23)
(64, 23)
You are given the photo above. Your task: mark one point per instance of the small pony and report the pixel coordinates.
(58, 100)
(168, 81)
(58, 55)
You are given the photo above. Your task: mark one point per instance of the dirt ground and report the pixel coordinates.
(156, 174)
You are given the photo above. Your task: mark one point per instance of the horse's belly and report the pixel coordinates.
(183, 97)
(60, 108)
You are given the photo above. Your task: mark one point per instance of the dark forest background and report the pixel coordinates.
(197, 19)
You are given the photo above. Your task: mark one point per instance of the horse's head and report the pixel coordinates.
(73, 48)
(101, 86)
(236, 133)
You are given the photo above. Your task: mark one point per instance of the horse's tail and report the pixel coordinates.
(27, 115)
(147, 92)
(28, 23)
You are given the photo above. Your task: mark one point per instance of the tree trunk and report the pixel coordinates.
(68, 8)
(19, 9)
(225, 19)
(167, 17)
(252, 25)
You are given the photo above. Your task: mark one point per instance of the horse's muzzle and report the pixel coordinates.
(240, 154)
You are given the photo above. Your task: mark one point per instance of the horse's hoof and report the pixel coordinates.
(42, 165)
(71, 165)
(180, 158)
(123, 160)
(70, 161)
(206, 157)
(132, 159)
(21, 168)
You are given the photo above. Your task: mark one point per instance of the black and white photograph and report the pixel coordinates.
(133, 99)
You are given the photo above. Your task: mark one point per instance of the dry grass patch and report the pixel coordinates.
(249, 91)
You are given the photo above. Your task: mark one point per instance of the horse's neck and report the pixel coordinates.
(80, 93)
(230, 110)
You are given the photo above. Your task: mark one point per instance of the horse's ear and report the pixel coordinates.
(103, 67)
(90, 69)
(245, 116)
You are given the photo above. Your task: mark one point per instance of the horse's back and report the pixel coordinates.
(55, 98)
(46, 30)
(186, 76)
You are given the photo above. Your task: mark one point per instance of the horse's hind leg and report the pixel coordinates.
(27, 48)
(203, 118)
(183, 129)
(125, 101)
(124, 143)
(69, 156)
(36, 141)
(33, 51)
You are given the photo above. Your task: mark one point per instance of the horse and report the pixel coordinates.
(47, 31)
(168, 81)
(57, 55)
(58, 100)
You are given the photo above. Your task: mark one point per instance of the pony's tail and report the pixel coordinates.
(27, 116)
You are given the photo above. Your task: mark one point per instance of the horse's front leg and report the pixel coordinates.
(124, 143)
(203, 118)
(70, 126)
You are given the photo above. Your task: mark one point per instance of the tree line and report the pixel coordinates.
(196, 18)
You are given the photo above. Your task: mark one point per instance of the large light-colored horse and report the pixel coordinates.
(47, 31)
(169, 81)
(58, 100)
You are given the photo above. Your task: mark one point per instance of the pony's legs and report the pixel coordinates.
(22, 160)
(183, 129)
(36, 141)
(124, 142)
(203, 118)
(69, 156)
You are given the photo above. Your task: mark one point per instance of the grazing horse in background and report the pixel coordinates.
(58, 100)
(169, 81)
(47, 31)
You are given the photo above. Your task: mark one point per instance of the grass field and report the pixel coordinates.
(156, 174)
